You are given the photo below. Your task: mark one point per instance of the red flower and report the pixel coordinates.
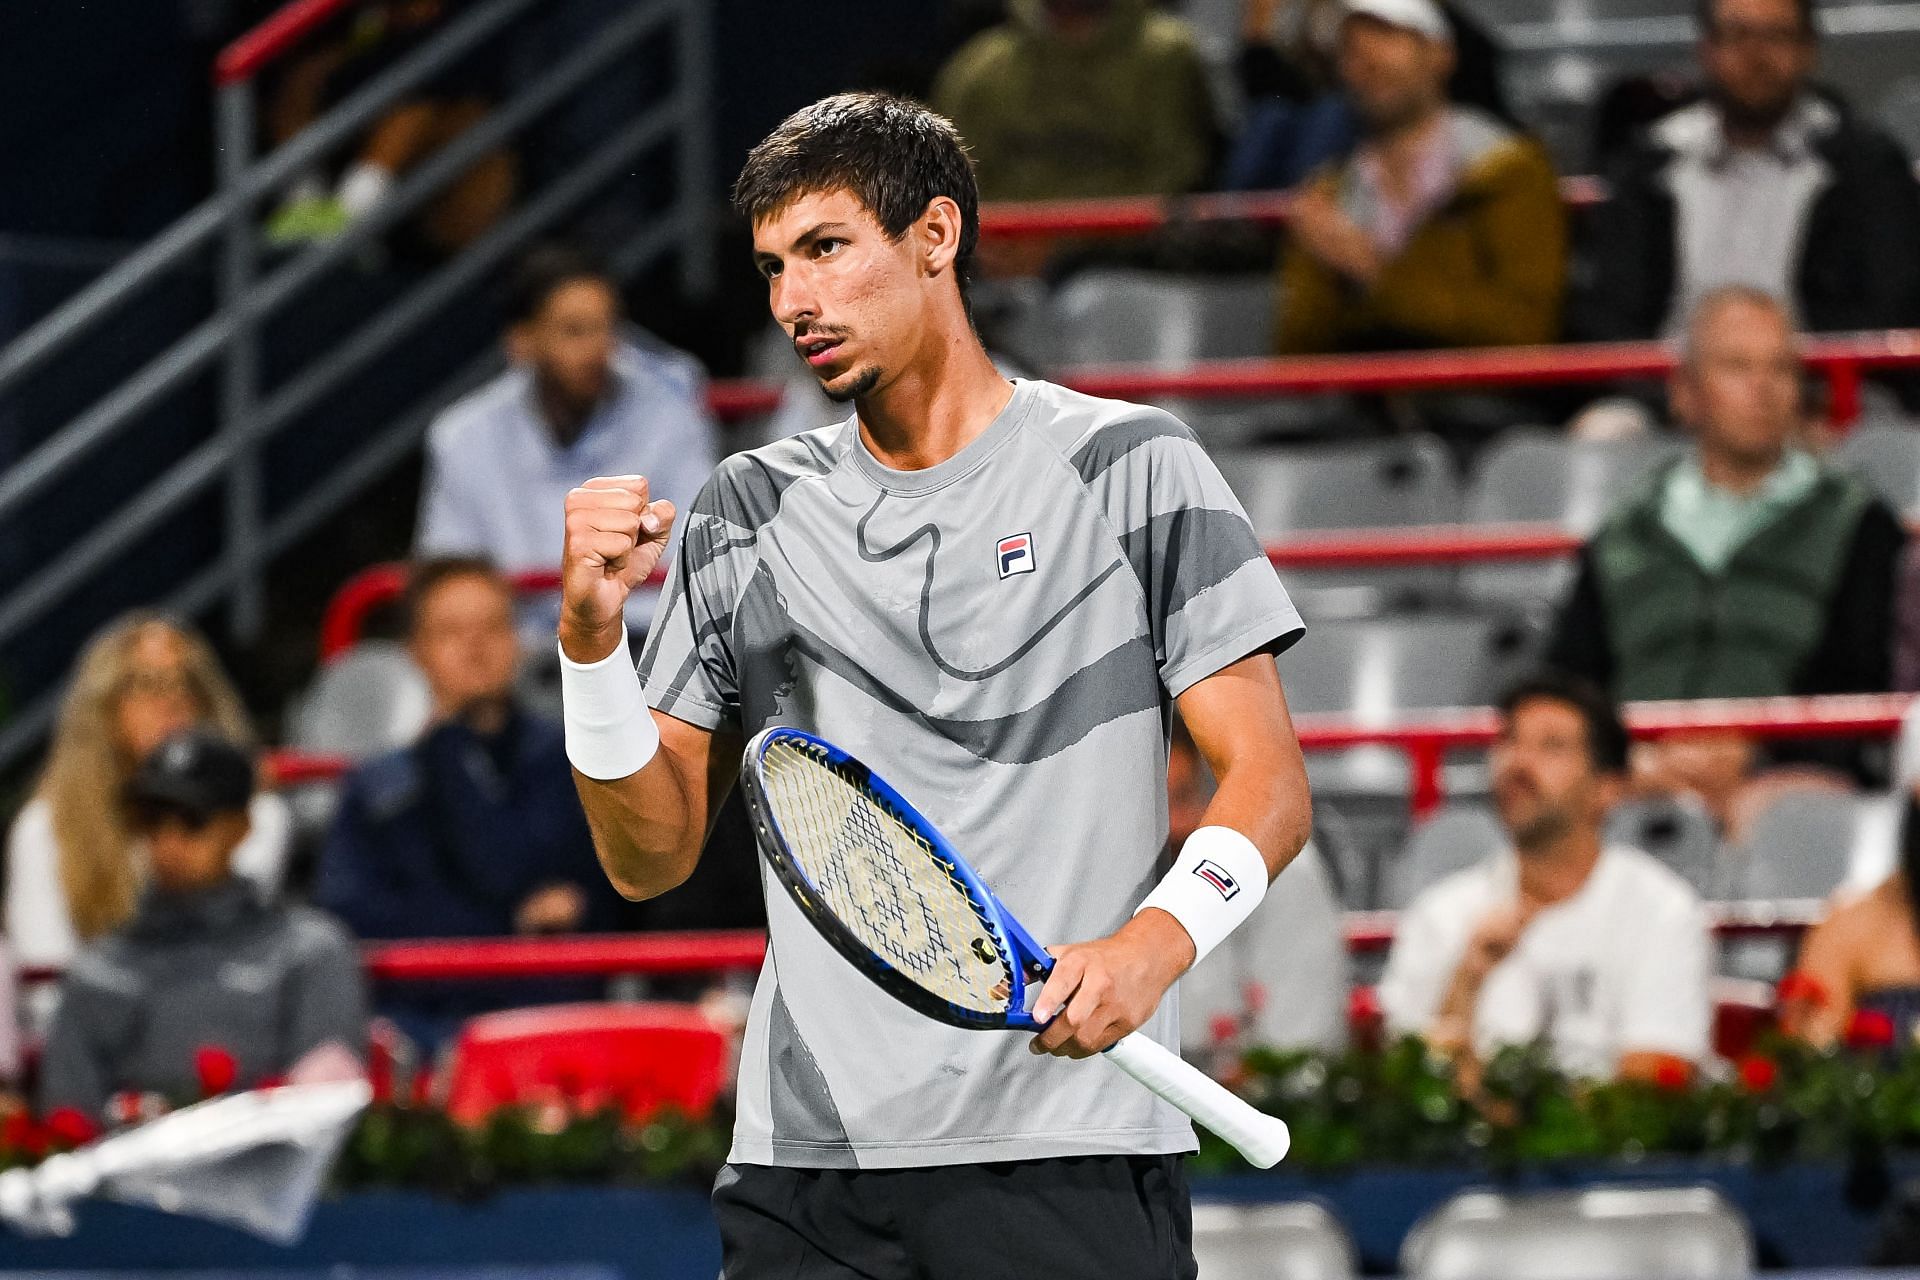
(19, 1133)
(1672, 1075)
(1363, 1005)
(421, 1093)
(1758, 1074)
(1223, 1027)
(215, 1068)
(1255, 996)
(71, 1127)
(1798, 987)
(1870, 1029)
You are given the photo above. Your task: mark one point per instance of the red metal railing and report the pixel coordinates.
(1137, 215)
(273, 39)
(1426, 738)
(1841, 360)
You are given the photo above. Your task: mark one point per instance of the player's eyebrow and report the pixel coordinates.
(806, 239)
(819, 231)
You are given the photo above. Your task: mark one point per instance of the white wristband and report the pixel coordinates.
(1216, 882)
(610, 731)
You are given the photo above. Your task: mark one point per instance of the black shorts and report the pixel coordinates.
(1101, 1217)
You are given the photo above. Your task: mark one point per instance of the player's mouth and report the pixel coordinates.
(818, 351)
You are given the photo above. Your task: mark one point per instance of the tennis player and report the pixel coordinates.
(994, 593)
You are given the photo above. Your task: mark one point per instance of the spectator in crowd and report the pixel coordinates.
(586, 397)
(1747, 568)
(378, 36)
(1864, 956)
(74, 867)
(474, 830)
(1281, 978)
(203, 964)
(1443, 229)
(1297, 119)
(1082, 98)
(1767, 183)
(1598, 950)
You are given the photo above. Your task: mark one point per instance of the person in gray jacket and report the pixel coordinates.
(204, 964)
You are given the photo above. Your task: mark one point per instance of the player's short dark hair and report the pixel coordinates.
(1703, 17)
(424, 577)
(547, 269)
(1607, 739)
(895, 155)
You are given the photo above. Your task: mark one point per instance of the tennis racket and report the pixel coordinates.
(891, 895)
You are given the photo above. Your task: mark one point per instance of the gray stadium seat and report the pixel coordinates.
(372, 699)
(1678, 831)
(1674, 1233)
(1299, 1240)
(1536, 476)
(1451, 840)
(1887, 456)
(1807, 842)
(1399, 482)
(1379, 670)
(1123, 316)
(1163, 321)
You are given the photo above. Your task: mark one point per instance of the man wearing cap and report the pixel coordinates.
(1444, 228)
(203, 963)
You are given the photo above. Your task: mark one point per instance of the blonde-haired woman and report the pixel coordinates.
(74, 869)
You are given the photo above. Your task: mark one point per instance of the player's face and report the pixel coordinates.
(464, 643)
(1544, 781)
(1740, 387)
(1756, 56)
(850, 298)
(569, 343)
(1393, 76)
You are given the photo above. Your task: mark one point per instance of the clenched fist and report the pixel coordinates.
(615, 538)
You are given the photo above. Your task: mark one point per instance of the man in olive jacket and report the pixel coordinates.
(1445, 227)
(1080, 99)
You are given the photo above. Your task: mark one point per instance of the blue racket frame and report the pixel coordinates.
(1029, 962)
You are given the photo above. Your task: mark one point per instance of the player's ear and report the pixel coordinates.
(939, 228)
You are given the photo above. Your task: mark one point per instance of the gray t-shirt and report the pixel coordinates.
(1000, 637)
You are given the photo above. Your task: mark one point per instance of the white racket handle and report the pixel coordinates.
(1261, 1138)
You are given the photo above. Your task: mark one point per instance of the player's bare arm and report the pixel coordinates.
(648, 825)
(1109, 987)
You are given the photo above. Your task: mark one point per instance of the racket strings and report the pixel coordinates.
(884, 880)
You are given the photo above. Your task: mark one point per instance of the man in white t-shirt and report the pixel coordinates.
(1598, 950)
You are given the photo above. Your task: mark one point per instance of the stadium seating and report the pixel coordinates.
(1297, 1240)
(1808, 842)
(638, 1057)
(1887, 456)
(1678, 831)
(1162, 321)
(1537, 476)
(1451, 840)
(372, 700)
(1676, 1233)
(1394, 483)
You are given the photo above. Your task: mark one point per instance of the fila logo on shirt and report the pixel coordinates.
(1219, 877)
(1015, 555)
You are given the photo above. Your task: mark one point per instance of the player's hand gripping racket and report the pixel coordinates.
(891, 895)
